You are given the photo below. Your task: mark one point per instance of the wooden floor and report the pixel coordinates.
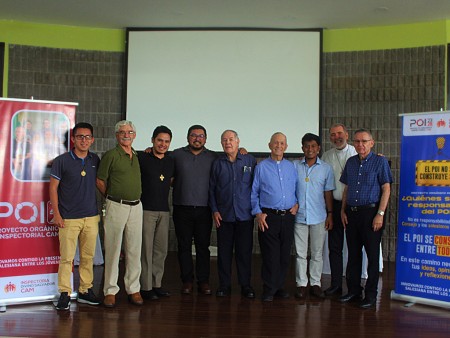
(208, 316)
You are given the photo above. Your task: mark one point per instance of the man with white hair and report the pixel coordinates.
(230, 187)
(119, 180)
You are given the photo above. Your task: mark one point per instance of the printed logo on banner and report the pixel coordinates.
(10, 287)
(420, 124)
(426, 124)
(441, 123)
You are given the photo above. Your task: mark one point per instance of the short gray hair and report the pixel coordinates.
(231, 131)
(363, 130)
(339, 125)
(124, 123)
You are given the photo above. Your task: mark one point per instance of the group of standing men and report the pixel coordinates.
(286, 199)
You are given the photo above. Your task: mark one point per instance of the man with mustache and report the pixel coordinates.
(337, 157)
(191, 213)
(157, 171)
(119, 180)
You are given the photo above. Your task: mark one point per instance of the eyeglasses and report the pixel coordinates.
(123, 133)
(361, 141)
(84, 137)
(202, 136)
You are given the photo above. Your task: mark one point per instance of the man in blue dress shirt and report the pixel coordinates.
(314, 217)
(367, 179)
(274, 204)
(230, 187)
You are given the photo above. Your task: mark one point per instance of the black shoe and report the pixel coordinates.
(63, 302)
(368, 303)
(267, 297)
(350, 297)
(316, 291)
(223, 292)
(248, 292)
(204, 288)
(333, 290)
(301, 292)
(281, 294)
(160, 292)
(149, 295)
(186, 289)
(88, 298)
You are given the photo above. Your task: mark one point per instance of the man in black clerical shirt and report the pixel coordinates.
(157, 171)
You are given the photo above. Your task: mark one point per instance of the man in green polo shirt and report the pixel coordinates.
(119, 180)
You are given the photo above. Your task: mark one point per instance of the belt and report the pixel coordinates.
(362, 207)
(118, 200)
(275, 211)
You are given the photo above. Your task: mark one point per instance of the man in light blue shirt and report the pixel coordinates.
(314, 217)
(274, 204)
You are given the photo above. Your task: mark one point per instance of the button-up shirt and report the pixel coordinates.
(274, 185)
(230, 187)
(365, 178)
(312, 183)
(337, 159)
(192, 171)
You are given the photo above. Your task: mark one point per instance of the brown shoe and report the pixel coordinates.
(301, 292)
(187, 288)
(109, 301)
(316, 291)
(135, 299)
(204, 288)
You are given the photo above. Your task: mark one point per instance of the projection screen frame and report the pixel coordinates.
(257, 154)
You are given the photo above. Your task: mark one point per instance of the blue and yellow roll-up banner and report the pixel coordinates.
(423, 243)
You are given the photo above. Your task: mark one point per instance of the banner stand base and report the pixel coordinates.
(419, 300)
(31, 300)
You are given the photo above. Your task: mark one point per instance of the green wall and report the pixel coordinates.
(387, 37)
(56, 36)
(334, 40)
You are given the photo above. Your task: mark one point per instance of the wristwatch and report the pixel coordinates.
(380, 212)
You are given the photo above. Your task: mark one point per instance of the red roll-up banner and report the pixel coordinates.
(32, 134)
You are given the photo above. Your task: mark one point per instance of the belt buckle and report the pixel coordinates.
(281, 212)
(354, 209)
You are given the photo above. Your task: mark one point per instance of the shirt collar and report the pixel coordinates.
(318, 161)
(186, 148)
(74, 156)
(122, 152)
(342, 150)
(368, 156)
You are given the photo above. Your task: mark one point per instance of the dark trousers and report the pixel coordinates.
(336, 245)
(275, 243)
(238, 236)
(193, 223)
(360, 234)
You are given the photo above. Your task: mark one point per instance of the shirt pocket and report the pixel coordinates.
(247, 175)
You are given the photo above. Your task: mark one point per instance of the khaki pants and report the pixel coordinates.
(122, 222)
(316, 233)
(155, 242)
(84, 230)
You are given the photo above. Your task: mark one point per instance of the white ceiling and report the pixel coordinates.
(330, 14)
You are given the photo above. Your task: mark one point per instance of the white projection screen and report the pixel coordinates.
(255, 82)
